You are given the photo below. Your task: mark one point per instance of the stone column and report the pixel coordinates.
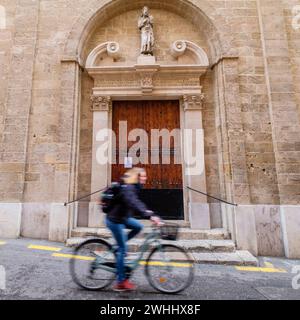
(101, 106)
(63, 219)
(195, 176)
(234, 183)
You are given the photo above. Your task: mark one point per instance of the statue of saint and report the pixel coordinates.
(147, 36)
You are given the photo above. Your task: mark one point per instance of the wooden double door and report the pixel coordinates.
(163, 192)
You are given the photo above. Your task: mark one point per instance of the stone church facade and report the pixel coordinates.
(233, 67)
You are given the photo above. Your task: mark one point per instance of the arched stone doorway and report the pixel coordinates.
(219, 177)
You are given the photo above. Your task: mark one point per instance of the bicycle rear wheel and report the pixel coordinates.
(93, 265)
(169, 269)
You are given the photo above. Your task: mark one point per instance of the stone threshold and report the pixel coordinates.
(184, 233)
(237, 258)
(217, 252)
(189, 245)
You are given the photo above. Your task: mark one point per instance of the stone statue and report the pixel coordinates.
(147, 36)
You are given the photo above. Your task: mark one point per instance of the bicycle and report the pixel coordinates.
(168, 268)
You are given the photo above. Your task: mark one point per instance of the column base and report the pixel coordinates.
(199, 215)
(96, 216)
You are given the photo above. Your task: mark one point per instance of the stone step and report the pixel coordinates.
(192, 246)
(184, 233)
(237, 258)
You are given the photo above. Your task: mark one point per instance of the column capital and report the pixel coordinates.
(101, 103)
(193, 102)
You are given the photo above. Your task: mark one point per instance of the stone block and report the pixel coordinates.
(215, 215)
(146, 60)
(59, 222)
(247, 258)
(10, 220)
(199, 216)
(290, 220)
(96, 216)
(35, 220)
(246, 236)
(269, 231)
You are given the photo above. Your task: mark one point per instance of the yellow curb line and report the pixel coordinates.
(143, 263)
(70, 256)
(44, 248)
(166, 264)
(257, 269)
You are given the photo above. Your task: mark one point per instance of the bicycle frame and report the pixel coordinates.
(152, 238)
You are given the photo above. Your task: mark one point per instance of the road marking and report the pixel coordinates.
(269, 265)
(71, 256)
(269, 268)
(166, 264)
(2, 243)
(142, 263)
(44, 248)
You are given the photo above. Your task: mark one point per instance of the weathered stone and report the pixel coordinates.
(250, 112)
(10, 220)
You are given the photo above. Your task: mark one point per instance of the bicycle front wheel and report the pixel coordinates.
(169, 269)
(93, 265)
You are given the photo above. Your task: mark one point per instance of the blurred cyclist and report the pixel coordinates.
(121, 218)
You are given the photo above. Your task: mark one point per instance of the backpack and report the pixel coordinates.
(109, 197)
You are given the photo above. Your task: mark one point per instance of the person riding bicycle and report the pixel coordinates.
(121, 218)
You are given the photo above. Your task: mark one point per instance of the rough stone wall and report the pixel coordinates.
(6, 40)
(282, 97)
(35, 164)
(18, 80)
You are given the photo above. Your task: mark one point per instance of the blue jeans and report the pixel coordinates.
(121, 237)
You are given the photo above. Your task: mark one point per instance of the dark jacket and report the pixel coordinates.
(128, 204)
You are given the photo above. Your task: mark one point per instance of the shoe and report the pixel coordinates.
(125, 285)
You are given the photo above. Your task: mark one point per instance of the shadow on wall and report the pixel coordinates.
(2, 18)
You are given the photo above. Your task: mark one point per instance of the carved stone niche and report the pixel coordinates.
(101, 103)
(148, 77)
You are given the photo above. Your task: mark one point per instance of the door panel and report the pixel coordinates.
(163, 191)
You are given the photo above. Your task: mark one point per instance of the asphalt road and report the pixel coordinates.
(37, 274)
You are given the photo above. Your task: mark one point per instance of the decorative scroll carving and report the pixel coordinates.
(180, 47)
(101, 103)
(112, 49)
(193, 102)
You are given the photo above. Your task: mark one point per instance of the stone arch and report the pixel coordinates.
(2, 17)
(222, 58)
(213, 24)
